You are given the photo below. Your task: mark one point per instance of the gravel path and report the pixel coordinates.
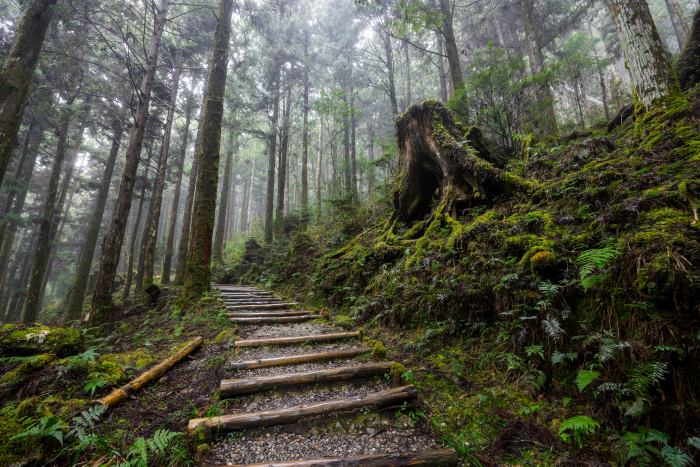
(299, 368)
(286, 330)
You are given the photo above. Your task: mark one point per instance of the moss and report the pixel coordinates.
(543, 261)
(17, 339)
(115, 368)
(17, 376)
(227, 337)
(378, 350)
(16, 451)
(344, 321)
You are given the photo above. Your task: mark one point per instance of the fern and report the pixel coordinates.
(577, 426)
(552, 326)
(591, 265)
(561, 357)
(159, 443)
(138, 453)
(645, 445)
(585, 377)
(95, 382)
(674, 457)
(89, 356)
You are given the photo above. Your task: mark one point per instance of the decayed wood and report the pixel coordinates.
(296, 339)
(264, 314)
(272, 306)
(427, 457)
(151, 374)
(295, 359)
(275, 319)
(235, 387)
(293, 414)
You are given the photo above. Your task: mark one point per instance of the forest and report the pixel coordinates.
(349, 232)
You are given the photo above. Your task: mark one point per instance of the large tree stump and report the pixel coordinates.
(444, 166)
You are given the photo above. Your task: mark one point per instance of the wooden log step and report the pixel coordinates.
(243, 421)
(297, 359)
(237, 387)
(264, 314)
(272, 306)
(275, 319)
(427, 457)
(296, 339)
(250, 302)
(245, 294)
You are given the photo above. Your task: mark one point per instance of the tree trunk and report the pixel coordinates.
(132, 243)
(245, 202)
(319, 171)
(184, 244)
(305, 136)
(689, 59)
(645, 57)
(150, 231)
(112, 244)
(601, 77)
(451, 46)
(544, 111)
(272, 149)
(217, 252)
(442, 75)
(199, 254)
(32, 303)
(18, 291)
(16, 185)
(347, 175)
(370, 159)
(407, 56)
(353, 146)
(18, 71)
(391, 84)
(680, 24)
(284, 153)
(174, 208)
(76, 294)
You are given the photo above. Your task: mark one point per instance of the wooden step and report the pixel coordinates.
(237, 387)
(275, 319)
(296, 339)
(245, 294)
(427, 457)
(264, 314)
(296, 359)
(250, 302)
(273, 306)
(243, 421)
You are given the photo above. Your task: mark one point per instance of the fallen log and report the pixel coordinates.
(243, 421)
(427, 457)
(236, 387)
(275, 319)
(153, 373)
(295, 359)
(273, 306)
(296, 339)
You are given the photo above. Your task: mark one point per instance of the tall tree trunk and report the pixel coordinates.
(353, 146)
(112, 244)
(199, 254)
(645, 57)
(217, 253)
(680, 24)
(32, 303)
(347, 176)
(284, 153)
(18, 71)
(174, 208)
(370, 158)
(451, 49)
(76, 294)
(305, 136)
(272, 150)
(17, 183)
(245, 205)
(442, 75)
(391, 82)
(546, 118)
(150, 232)
(18, 292)
(407, 56)
(601, 76)
(319, 173)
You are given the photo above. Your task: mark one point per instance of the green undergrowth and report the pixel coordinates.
(555, 326)
(48, 414)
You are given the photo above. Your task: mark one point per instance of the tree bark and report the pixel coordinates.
(32, 303)
(199, 254)
(601, 76)
(224, 199)
(545, 115)
(680, 24)
(245, 202)
(272, 149)
(112, 244)
(174, 208)
(131, 253)
(451, 49)
(689, 60)
(284, 153)
(353, 145)
(150, 231)
(645, 57)
(319, 171)
(370, 158)
(442, 75)
(18, 71)
(391, 82)
(305, 136)
(407, 56)
(76, 294)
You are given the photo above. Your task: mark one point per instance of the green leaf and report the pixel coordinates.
(585, 377)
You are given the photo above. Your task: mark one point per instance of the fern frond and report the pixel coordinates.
(585, 377)
(161, 439)
(594, 260)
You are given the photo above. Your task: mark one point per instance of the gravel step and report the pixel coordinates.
(296, 339)
(298, 359)
(273, 319)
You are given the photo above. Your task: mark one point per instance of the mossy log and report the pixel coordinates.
(235, 387)
(21, 340)
(427, 457)
(244, 421)
(155, 372)
(440, 158)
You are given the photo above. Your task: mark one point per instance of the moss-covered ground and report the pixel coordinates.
(559, 326)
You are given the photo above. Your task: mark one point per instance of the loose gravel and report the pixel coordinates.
(299, 368)
(286, 330)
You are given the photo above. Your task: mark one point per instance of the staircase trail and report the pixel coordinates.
(301, 392)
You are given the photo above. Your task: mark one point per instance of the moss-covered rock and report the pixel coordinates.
(18, 339)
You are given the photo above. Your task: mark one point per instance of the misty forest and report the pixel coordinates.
(349, 232)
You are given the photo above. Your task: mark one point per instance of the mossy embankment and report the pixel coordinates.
(544, 321)
(53, 374)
